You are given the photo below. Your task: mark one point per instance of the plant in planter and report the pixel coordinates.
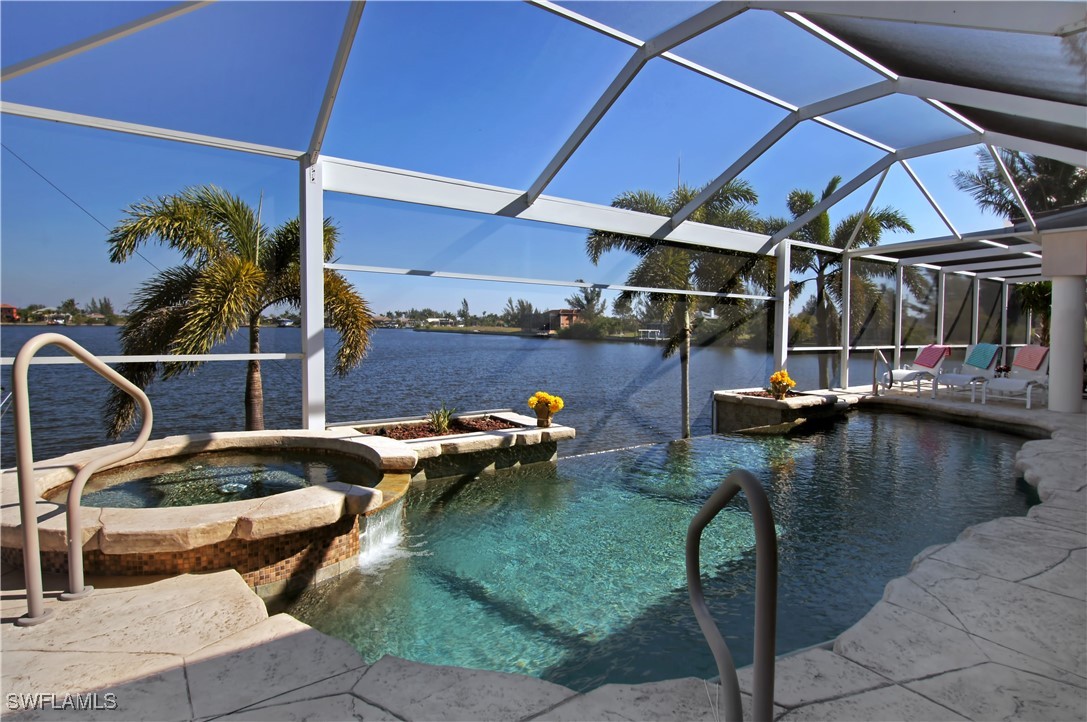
(545, 405)
(780, 383)
(441, 418)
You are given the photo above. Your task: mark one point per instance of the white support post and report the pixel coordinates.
(975, 316)
(941, 289)
(311, 204)
(845, 326)
(1066, 345)
(1005, 297)
(900, 273)
(781, 308)
(1064, 260)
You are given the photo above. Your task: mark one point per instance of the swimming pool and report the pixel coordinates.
(574, 572)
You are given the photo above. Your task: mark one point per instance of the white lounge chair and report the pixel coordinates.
(926, 365)
(978, 365)
(1030, 369)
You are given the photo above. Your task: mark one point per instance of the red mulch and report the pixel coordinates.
(765, 394)
(406, 432)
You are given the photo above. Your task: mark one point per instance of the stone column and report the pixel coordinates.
(1064, 260)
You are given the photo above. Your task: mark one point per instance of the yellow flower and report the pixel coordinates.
(543, 399)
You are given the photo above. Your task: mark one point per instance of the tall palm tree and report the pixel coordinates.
(665, 265)
(234, 269)
(826, 267)
(1045, 184)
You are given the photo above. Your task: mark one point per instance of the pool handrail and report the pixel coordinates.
(766, 566)
(877, 356)
(28, 495)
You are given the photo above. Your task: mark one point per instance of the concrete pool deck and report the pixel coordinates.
(991, 626)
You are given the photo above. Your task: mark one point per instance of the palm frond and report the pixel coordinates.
(349, 314)
(224, 297)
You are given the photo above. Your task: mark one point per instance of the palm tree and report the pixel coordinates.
(234, 269)
(826, 267)
(665, 265)
(1045, 184)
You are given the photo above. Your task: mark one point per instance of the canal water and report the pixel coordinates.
(617, 394)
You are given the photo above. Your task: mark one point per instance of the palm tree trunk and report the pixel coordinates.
(822, 330)
(685, 369)
(254, 387)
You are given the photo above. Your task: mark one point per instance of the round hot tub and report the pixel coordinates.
(219, 477)
(286, 509)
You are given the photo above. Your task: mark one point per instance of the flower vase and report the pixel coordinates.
(543, 415)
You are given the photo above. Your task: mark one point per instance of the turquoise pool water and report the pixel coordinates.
(574, 572)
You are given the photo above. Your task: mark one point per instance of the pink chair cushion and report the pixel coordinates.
(1030, 357)
(931, 355)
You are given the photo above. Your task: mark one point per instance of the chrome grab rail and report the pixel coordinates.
(24, 455)
(766, 566)
(877, 354)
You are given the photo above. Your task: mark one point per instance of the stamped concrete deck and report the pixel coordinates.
(990, 627)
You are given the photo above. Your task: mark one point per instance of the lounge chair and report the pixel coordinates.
(926, 365)
(1029, 369)
(978, 366)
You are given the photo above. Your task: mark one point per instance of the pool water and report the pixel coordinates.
(217, 477)
(573, 572)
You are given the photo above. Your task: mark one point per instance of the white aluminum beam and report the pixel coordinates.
(362, 179)
(1018, 105)
(931, 201)
(147, 131)
(866, 175)
(941, 296)
(1021, 276)
(585, 21)
(845, 325)
(834, 41)
(896, 361)
(975, 313)
(347, 40)
(781, 308)
(662, 43)
(1072, 156)
(351, 267)
(1038, 18)
(311, 222)
(773, 136)
(938, 258)
(813, 111)
(164, 358)
(1010, 183)
(865, 212)
(100, 39)
(1028, 262)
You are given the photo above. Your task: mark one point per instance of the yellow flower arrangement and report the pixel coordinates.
(550, 401)
(780, 383)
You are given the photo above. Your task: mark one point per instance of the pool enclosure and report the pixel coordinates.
(563, 94)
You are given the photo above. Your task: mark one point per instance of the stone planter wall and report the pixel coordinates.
(733, 411)
(482, 451)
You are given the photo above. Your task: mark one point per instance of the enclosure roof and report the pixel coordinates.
(1009, 75)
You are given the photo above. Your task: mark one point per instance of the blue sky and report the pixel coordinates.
(482, 91)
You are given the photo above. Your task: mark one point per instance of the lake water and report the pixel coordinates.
(617, 394)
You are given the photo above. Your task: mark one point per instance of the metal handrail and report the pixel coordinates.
(5, 404)
(766, 565)
(875, 379)
(24, 454)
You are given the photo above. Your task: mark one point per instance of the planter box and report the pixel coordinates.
(733, 411)
(479, 452)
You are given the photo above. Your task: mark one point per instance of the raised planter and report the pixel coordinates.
(478, 452)
(734, 410)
